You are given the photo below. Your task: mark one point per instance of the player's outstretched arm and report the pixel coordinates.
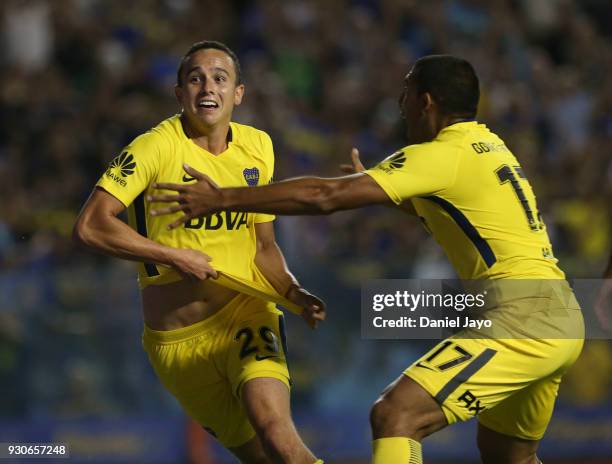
(98, 227)
(271, 262)
(603, 305)
(304, 195)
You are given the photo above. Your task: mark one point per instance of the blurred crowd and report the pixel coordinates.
(81, 78)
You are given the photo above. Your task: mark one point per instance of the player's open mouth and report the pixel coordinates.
(208, 104)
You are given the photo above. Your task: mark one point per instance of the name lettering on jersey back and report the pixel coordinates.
(487, 147)
(223, 219)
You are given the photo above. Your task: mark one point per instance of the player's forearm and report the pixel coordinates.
(271, 262)
(304, 195)
(111, 236)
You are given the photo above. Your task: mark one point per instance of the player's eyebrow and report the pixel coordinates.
(216, 68)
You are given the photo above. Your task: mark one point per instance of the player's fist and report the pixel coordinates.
(192, 264)
(313, 307)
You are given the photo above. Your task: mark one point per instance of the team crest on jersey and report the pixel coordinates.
(121, 167)
(251, 175)
(395, 161)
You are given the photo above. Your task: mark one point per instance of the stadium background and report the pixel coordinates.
(81, 78)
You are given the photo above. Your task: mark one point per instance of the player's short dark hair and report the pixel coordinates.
(206, 44)
(451, 81)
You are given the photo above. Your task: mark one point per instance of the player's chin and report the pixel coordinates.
(208, 116)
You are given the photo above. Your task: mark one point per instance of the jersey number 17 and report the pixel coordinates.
(514, 175)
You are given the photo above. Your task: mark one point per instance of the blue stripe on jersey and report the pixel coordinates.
(141, 228)
(480, 243)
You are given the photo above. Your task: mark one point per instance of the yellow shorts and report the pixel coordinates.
(510, 384)
(205, 364)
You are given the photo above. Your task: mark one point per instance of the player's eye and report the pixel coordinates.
(195, 79)
(220, 78)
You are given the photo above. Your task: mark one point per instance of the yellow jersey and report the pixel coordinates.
(227, 237)
(472, 196)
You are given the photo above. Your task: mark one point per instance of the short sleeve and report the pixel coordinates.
(132, 171)
(414, 171)
(268, 155)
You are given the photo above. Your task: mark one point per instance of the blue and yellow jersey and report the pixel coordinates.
(158, 156)
(473, 197)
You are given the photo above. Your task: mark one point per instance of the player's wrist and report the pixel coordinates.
(167, 256)
(294, 286)
(226, 198)
(236, 198)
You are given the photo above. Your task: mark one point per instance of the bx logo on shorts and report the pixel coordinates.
(471, 402)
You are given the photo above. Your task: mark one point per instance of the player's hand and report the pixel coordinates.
(314, 307)
(356, 164)
(195, 200)
(603, 305)
(192, 264)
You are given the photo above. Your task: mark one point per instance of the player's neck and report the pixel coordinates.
(455, 119)
(439, 122)
(213, 139)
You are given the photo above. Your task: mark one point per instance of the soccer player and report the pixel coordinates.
(220, 352)
(472, 195)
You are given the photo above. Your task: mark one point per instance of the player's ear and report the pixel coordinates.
(427, 102)
(178, 92)
(238, 94)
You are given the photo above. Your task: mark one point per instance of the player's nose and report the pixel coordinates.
(207, 86)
